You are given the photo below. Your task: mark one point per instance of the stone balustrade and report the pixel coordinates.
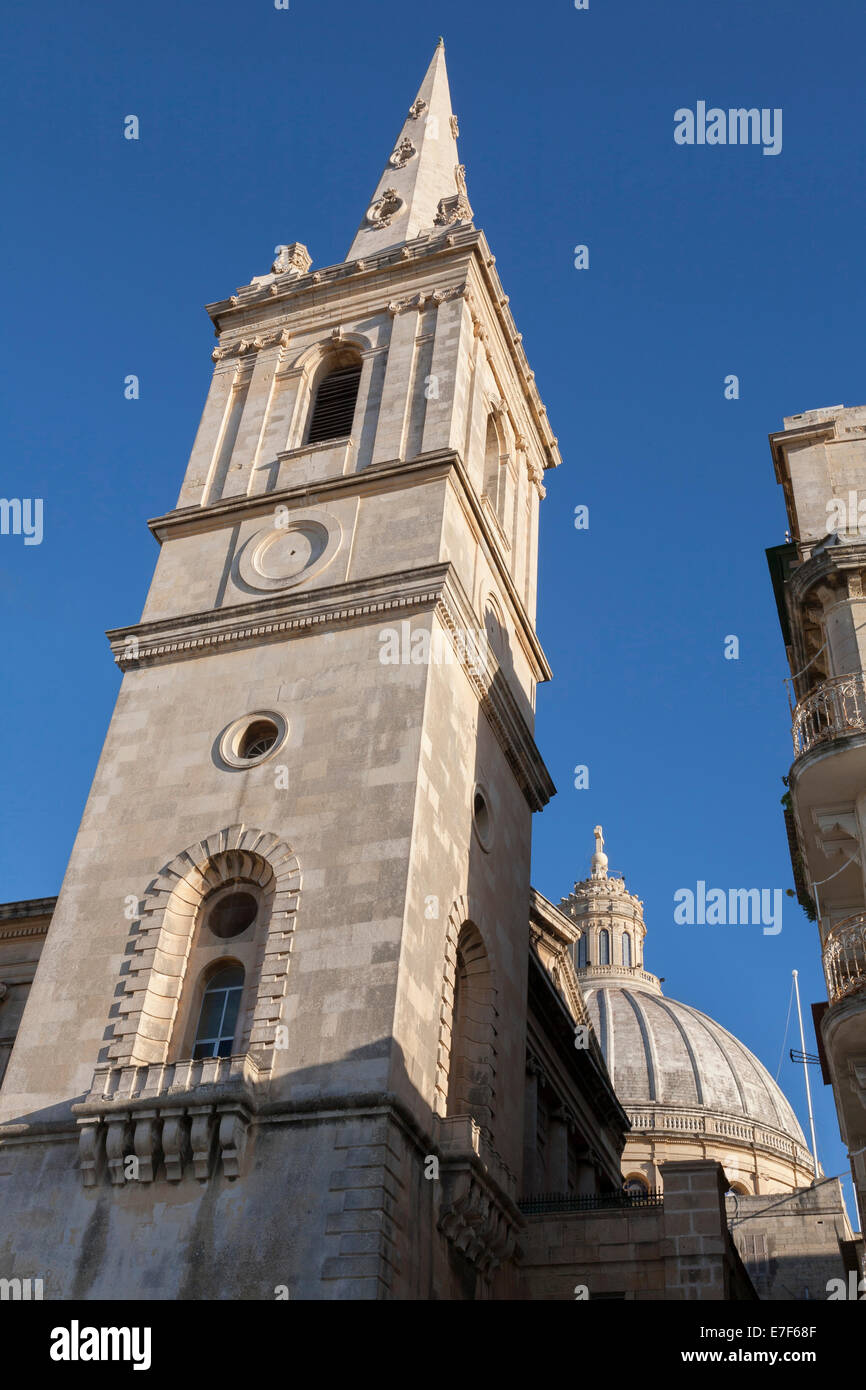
(649, 1118)
(139, 1123)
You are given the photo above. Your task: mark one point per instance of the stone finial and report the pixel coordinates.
(294, 259)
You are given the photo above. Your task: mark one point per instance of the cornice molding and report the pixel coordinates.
(829, 560)
(289, 615)
(383, 477)
(27, 907)
(284, 290)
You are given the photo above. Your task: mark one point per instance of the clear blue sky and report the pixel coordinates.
(261, 126)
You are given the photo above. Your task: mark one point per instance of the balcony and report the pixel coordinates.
(835, 709)
(845, 958)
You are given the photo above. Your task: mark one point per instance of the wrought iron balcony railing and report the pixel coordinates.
(845, 958)
(544, 1202)
(836, 708)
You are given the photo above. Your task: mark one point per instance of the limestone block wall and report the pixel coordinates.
(23, 928)
(676, 1251)
(459, 874)
(351, 757)
(825, 454)
(792, 1246)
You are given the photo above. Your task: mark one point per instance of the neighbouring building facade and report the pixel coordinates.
(296, 1024)
(819, 578)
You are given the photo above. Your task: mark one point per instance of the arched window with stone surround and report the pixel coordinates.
(471, 1066)
(228, 933)
(335, 396)
(636, 1185)
(232, 897)
(581, 952)
(604, 947)
(626, 949)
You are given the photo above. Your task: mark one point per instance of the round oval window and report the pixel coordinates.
(255, 741)
(232, 914)
(482, 818)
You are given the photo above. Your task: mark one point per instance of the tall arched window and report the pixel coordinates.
(471, 1069)
(334, 407)
(218, 1019)
(581, 952)
(626, 948)
(604, 947)
(493, 480)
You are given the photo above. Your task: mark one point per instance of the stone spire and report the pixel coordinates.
(423, 189)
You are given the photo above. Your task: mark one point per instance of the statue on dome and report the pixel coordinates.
(599, 859)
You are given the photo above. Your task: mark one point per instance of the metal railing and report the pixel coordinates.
(845, 958)
(834, 709)
(543, 1202)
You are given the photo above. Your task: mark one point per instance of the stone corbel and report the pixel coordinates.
(176, 1145)
(147, 1143)
(837, 833)
(202, 1135)
(232, 1140)
(857, 1075)
(474, 1222)
(91, 1151)
(118, 1146)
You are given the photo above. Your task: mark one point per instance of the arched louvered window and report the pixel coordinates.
(604, 947)
(626, 948)
(334, 406)
(218, 1019)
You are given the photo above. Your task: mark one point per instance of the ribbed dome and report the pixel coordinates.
(660, 1052)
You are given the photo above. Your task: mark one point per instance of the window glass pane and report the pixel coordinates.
(229, 976)
(604, 948)
(219, 1013)
(626, 949)
(230, 1018)
(211, 1013)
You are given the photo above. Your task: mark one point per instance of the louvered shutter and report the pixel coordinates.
(334, 409)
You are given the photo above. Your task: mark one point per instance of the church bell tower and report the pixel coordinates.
(277, 1034)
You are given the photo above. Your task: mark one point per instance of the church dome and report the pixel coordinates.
(661, 1053)
(681, 1077)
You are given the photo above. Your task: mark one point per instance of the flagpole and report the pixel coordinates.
(806, 1074)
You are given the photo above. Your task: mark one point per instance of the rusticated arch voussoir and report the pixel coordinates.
(465, 937)
(163, 936)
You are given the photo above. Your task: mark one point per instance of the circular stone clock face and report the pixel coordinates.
(282, 556)
(286, 554)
